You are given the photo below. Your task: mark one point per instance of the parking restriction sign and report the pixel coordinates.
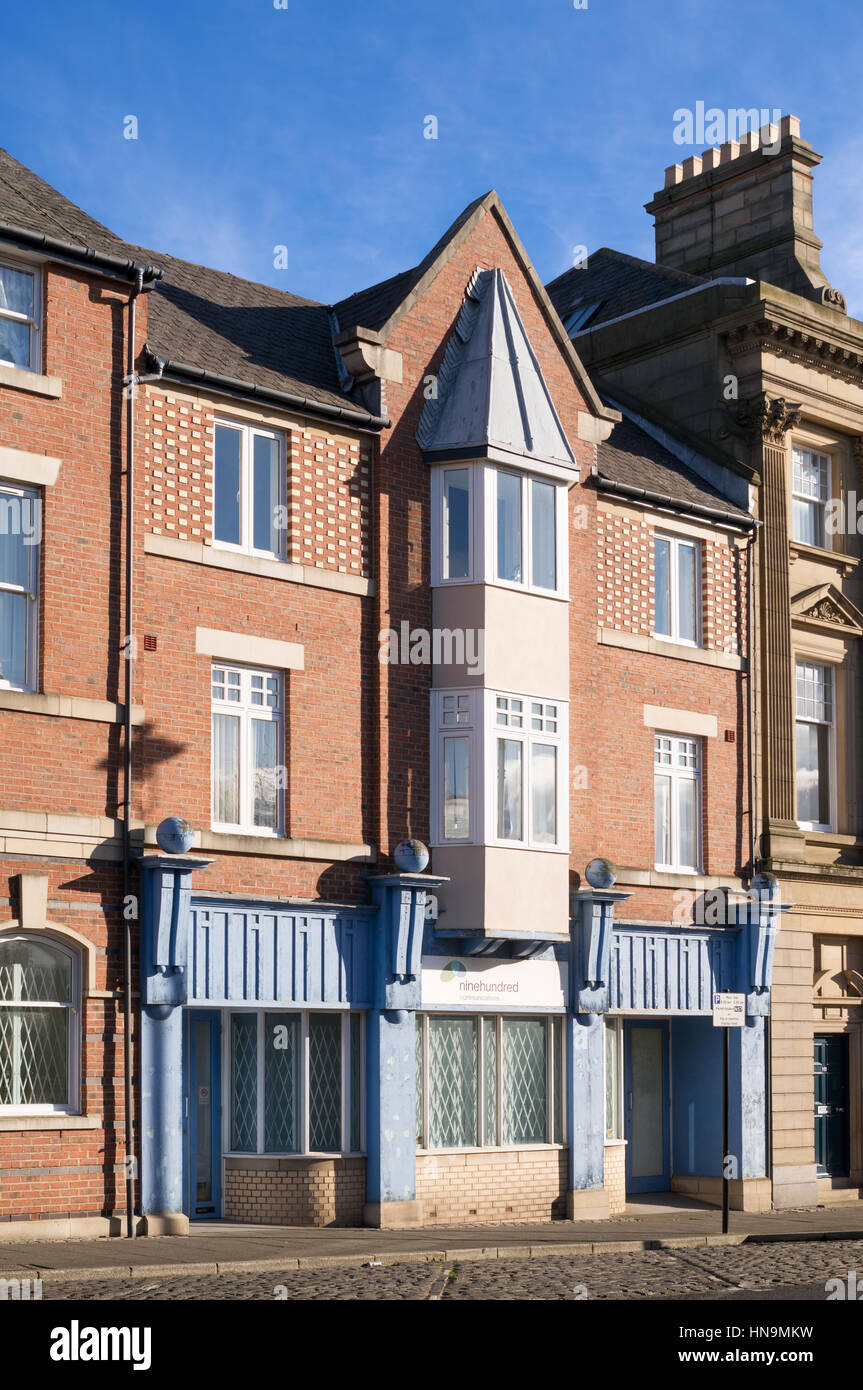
(729, 1010)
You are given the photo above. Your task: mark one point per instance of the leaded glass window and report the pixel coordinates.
(525, 1081)
(288, 1074)
(37, 1014)
(282, 1082)
(325, 1082)
(514, 1066)
(453, 1083)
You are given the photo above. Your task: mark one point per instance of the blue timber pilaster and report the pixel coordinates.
(591, 929)
(391, 1198)
(748, 1045)
(166, 882)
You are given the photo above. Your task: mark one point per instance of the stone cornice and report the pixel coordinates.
(837, 354)
(768, 418)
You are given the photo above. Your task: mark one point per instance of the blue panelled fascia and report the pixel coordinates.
(242, 952)
(402, 902)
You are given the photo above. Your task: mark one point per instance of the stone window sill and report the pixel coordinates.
(277, 847)
(34, 382)
(838, 558)
(10, 1123)
(68, 707)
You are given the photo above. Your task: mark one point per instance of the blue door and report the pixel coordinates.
(203, 1115)
(648, 1163)
(831, 1105)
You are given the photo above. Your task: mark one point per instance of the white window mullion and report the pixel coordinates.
(304, 1083)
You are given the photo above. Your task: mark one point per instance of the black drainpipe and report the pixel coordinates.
(129, 384)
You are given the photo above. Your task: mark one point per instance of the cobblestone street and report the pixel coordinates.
(691, 1272)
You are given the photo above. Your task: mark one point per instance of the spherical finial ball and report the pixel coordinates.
(411, 856)
(600, 873)
(174, 835)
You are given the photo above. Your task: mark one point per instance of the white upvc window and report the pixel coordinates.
(815, 745)
(677, 802)
(40, 1026)
(248, 773)
(294, 1081)
(20, 549)
(677, 589)
(526, 765)
(490, 1081)
(810, 493)
(20, 313)
(249, 489)
(528, 531)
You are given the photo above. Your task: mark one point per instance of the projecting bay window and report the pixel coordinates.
(489, 1082)
(19, 317)
(295, 1082)
(248, 490)
(814, 745)
(527, 736)
(247, 747)
(677, 802)
(527, 531)
(20, 546)
(810, 492)
(677, 589)
(39, 1027)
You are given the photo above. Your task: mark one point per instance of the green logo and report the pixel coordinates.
(450, 971)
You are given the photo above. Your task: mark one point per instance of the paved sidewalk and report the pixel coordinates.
(226, 1247)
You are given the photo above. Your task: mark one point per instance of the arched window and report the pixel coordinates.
(39, 1025)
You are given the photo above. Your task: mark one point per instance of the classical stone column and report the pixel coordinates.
(768, 420)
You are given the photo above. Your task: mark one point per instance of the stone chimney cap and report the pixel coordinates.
(720, 155)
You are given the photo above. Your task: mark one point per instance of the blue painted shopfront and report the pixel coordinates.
(296, 967)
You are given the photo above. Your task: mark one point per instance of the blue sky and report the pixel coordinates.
(303, 126)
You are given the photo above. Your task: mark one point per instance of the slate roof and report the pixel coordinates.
(492, 396)
(201, 317)
(618, 283)
(632, 456)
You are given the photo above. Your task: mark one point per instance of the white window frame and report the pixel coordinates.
(248, 432)
(247, 711)
(485, 1021)
(73, 1036)
(303, 1150)
(832, 670)
(825, 464)
(528, 737)
(31, 679)
(525, 585)
(676, 543)
(439, 530)
(468, 702)
(678, 775)
(34, 363)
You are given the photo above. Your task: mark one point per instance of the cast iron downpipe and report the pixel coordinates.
(142, 282)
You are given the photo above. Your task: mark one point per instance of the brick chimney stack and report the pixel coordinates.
(746, 209)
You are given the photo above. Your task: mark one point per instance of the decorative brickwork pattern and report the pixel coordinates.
(329, 510)
(500, 1185)
(625, 582)
(177, 454)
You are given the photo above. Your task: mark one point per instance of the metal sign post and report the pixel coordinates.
(729, 1011)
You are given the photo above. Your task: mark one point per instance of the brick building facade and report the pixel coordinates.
(328, 1028)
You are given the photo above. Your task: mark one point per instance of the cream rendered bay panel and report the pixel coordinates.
(526, 639)
(497, 889)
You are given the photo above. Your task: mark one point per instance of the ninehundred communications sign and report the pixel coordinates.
(526, 984)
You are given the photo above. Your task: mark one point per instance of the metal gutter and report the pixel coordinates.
(184, 371)
(80, 255)
(660, 499)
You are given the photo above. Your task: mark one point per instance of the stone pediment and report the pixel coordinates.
(826, 608)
